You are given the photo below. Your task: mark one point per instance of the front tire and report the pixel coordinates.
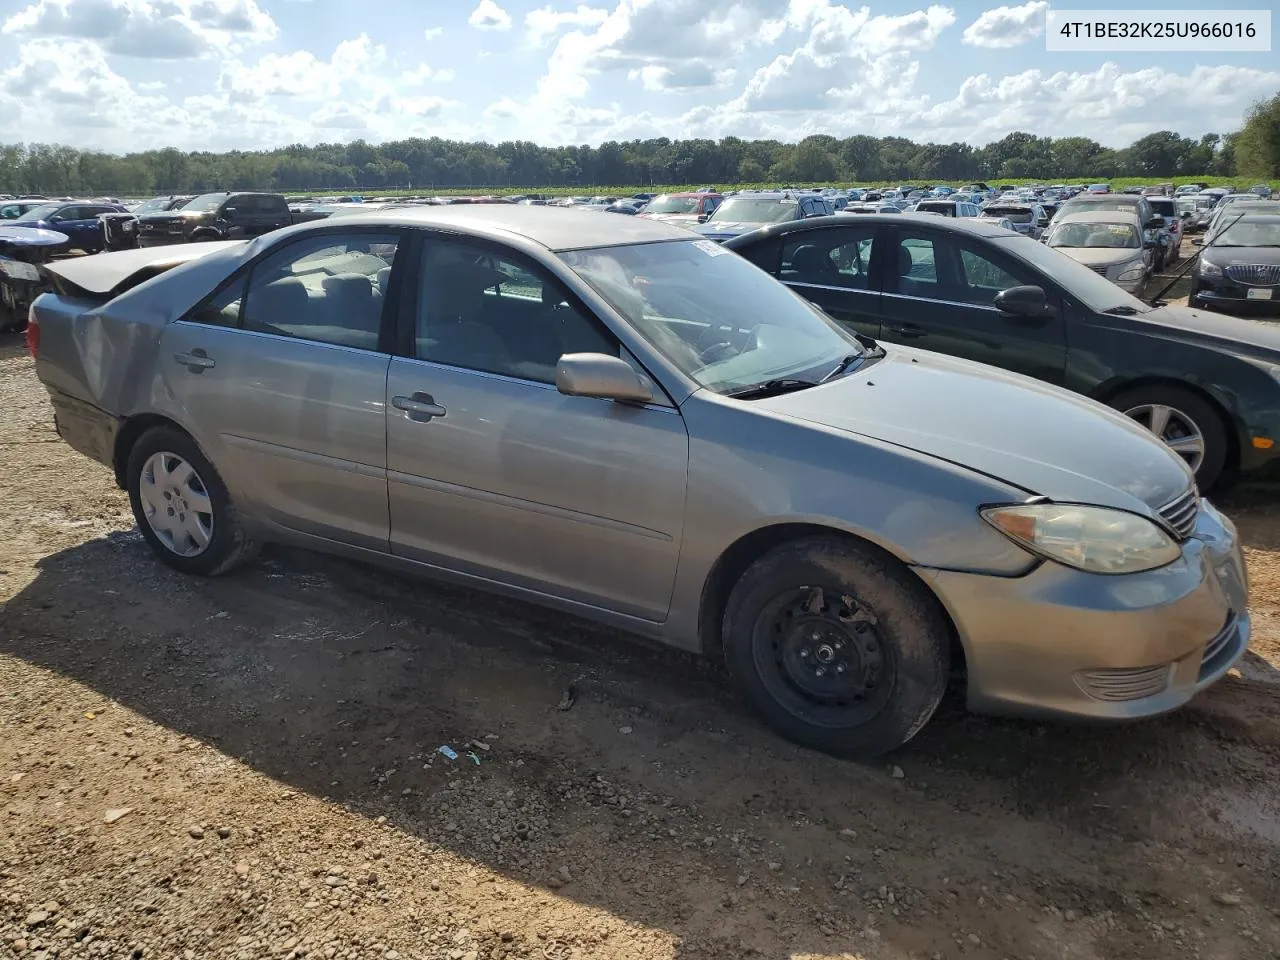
(1186, 422)
(837, 646)
(182, 506)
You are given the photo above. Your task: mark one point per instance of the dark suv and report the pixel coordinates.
(216, 216)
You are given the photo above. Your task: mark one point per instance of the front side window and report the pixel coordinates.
(717, 318)
(834, 258)
(916, 266)
(498, 314)
(981, 277)
(329, 288)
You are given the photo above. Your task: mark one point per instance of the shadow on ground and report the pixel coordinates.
(324, 675)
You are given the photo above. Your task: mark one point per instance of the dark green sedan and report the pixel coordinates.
(1207, 384)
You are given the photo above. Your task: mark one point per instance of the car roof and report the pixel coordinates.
(556, 228)
(1096, 216)
(970, 225)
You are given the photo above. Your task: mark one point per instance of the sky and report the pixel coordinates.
(124, 75)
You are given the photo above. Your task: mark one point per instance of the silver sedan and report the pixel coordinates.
(616, 418)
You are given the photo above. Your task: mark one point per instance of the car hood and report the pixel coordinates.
(1236, 335)
(1026, 433)
(1100, 256)
(1226, 256)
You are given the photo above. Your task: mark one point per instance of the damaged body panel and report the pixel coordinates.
(648, 431)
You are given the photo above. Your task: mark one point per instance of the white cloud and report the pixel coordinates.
(544, 23)
(155, 29)
(301, 74)
(424, 74)
(847, 59)
(1006, 27)
(691, 75)
(431, 33)
(489, 16)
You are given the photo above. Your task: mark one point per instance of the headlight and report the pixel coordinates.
(1209, 269)
(1133, 272)
(1094, 539)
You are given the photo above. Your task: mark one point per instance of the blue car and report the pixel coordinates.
(78, 219)
(749, 211)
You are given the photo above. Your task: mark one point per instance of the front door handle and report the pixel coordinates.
(420, 407)
(908, 331)
(195, 361)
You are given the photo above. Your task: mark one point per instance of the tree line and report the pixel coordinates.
(433, 163)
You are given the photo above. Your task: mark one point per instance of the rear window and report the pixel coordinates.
(1004, 213)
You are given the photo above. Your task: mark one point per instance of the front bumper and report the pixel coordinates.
(1220, 293)
(1058, 642)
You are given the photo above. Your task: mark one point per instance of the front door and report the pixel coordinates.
(281, 376)
(832, 267)
(494, 472)
(939, 295)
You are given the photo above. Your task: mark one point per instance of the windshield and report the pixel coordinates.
(756, 210)
(1004, 213)
(718, 318)
(154, 205)
(666, 204)
(1250, 234)
(1095, 291)
(1109, 205)
(1116, 236)
(206, 203)
(42, 212)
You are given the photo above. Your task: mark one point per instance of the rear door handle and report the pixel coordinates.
(420, 407)
(908, 331)
(195, 361)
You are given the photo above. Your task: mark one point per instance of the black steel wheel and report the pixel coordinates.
(837, 645)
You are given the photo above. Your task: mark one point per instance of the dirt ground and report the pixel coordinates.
(246, 767)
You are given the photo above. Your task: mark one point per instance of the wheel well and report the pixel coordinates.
(733, 563)
(203, 232)
(1107, 394)
(134, 428)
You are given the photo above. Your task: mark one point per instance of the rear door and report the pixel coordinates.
(836, 268)
(281, 376)
(941, 297)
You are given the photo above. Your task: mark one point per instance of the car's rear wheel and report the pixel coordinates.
(837, 646)
(1186, 422)
(182, 506)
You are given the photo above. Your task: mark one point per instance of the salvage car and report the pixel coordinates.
(686, 209)
(747, 211)
(1206, 384)
(22, 252)
(215, 216)
(77, 220)
(1238, 271)
(1108, 242)
(622, 420)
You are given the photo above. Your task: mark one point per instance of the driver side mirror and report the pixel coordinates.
(703, 217)
(1023, 301)
(602, 376)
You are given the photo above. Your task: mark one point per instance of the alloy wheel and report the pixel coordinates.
(1179, 431)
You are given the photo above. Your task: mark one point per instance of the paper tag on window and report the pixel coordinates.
(710, 247)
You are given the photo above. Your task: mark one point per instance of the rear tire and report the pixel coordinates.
(182, 506)
(837, 646)
(1191, 411)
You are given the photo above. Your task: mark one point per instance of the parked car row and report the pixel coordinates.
(623, 419)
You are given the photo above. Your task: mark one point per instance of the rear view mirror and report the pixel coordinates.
(600, 375)
(1023, 301)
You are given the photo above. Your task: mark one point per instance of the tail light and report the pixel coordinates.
(33, 334)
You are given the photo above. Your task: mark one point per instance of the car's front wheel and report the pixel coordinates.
(837, 646)
(182, 506)
(1186, 422)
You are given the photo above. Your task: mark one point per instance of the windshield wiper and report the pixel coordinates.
(845, 363)
(1124, 310)
(771, 388)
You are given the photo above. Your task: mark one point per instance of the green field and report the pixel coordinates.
(1117, 183)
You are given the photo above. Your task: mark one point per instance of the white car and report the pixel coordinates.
(1108, 242)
